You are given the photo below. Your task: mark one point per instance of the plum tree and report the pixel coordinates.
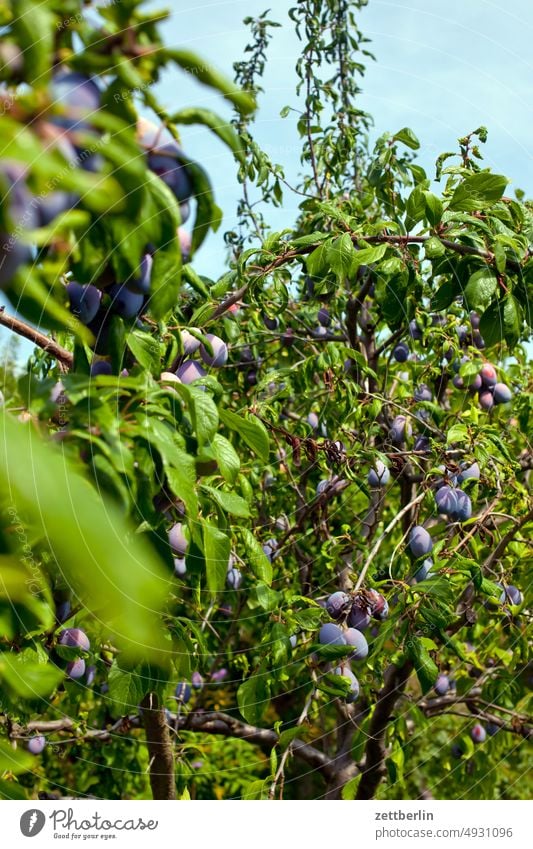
(346, 479)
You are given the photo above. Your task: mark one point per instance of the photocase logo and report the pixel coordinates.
(32, 822)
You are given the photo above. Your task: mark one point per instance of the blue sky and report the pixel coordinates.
(442, 69)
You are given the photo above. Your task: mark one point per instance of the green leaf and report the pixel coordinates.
(478, 191)
(217, 125)
(446, 294)
(252, 431)
(434, 248)
(26, 679)
(253, 697)
(203, 71)
(256, 557)
(415, 208)
(457, 433)
(228, 501)
(425, 667)
(205, 415)
(317, 262)
(126, 688)
(14, 760)
(341, 254)
(434, 209)
(226, 457)
(334, 685)
(480, 289)
(408, 138)
(146, 350)
(12, 790)
(34, 28)
(114, 571)
(217, 549)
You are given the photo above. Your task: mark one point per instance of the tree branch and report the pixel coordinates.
(63, 356)
(162, 779)
(373, 768)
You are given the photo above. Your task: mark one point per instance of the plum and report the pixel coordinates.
(469, 473)
(293, 640)
(488, 375)
(76, 668)
(182, 693)
(420, 541)
(401, 352)
(424, 570)
(492, 729)
(84, 301)
(220, 351)
(219, 676)
(415, 331)
(463, 509)
(79, 96)
(331, 635)
(185, 211)
(478, 340)
(180, 567)
(140, 285)
(270, 547)
(53, 204)
(511, 595)
(400, 429)
(190, 343)
(190, 370)
(359, 617)
(379, 607)
(197, 681)
(423, 393)
(324, 317)
(165, 161)
(446, 500)
(442, 685)
(74, 638)
(474, 320)
(346, 672)
(379, 475)
(91, 675)
(458, 381)
(337, 604)
(270, 323)
(457, 751)
(356, 639)
(36, 744)
(63, 609)
(501, 393)
(185, 240)
(421, 443)
(473, 383)
(125, 303)
(234, 578)
(177, 540)
(100, 367)
(322, 486)
(313, 420)
(478, 733)
(486, 399)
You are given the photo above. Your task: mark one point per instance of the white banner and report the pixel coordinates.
(267, 825)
